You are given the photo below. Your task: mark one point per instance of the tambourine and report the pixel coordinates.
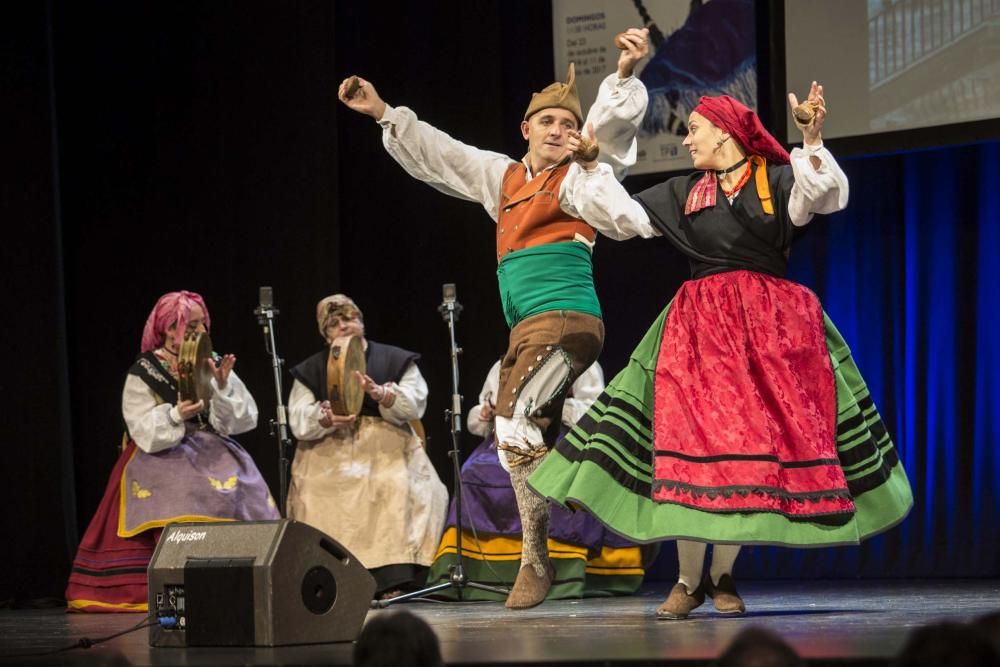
(343, 388)
(194, 373)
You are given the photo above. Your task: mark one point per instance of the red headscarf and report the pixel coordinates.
(170, 308)
(743, 125)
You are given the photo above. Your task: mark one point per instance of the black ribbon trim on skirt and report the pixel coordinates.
(622, 438)
(645, 490)
(863, 403)
(111, 572)
(588, 426)
(877, 477)
(824, 519)
(767, 458)
(745, 491)
(637, 416)
(865, 449)
(849, 424)
(626, 480)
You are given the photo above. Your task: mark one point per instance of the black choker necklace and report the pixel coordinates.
(169, 351)
(723, 172)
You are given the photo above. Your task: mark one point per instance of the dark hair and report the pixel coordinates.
(947, 643)
(989, 627)
(756, 647)
(397, 639)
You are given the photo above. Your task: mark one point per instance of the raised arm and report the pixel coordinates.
(620, 106)
(398, 402)
(592, 193)
(428, 154)
(820, 184)
(591, 190)
(233, 408)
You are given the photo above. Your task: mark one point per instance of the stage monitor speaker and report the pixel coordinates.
(254, 583)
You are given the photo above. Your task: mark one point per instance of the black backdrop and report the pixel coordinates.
(157, 146)
(160, 146)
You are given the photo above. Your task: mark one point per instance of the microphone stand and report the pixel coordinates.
(457, 578)
(265, 313)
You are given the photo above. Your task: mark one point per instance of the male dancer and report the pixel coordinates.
(544, 253)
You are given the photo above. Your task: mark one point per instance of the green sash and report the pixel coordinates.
(552, 276)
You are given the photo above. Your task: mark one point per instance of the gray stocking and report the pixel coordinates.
(534, 511)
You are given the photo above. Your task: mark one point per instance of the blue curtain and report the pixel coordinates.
(909, 274)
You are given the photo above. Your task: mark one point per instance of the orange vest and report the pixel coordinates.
(530, 214)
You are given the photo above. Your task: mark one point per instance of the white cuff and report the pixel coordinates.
(388, 117)
(812, 148)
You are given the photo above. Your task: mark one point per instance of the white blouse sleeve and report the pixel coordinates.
(603, 203)
(233, 409)
(486, 395)
(616, 115)
(304, 413)
(411, 398)
(816, 190)
(586, 389)
(154, 426)
(444, 163)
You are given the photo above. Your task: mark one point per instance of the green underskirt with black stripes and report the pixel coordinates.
(605, 465)
(494, 560)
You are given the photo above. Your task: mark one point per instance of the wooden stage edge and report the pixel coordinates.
(828, 622)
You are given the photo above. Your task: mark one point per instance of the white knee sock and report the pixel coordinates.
(691, 556)
(723, 557)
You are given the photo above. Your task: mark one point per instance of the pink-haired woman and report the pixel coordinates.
(178, 463)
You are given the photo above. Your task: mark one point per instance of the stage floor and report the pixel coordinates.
(832, 622)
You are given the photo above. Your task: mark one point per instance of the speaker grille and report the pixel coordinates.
(219, 601)
(319, 590)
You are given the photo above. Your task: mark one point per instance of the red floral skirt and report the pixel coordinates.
(745, 403)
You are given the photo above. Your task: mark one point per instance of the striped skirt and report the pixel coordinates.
(589, 560)
(612, 464)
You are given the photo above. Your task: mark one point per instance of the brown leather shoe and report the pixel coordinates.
(724, 595)
(529, 589)
(680, 603)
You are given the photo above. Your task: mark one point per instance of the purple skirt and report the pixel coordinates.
(206, 477)
(489, 506)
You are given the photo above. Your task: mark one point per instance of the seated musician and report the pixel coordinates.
(366, 481)
(178, 463)
(589, 560)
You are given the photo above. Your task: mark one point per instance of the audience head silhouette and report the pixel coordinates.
(756, 647)
(397, 639)
(947, 643)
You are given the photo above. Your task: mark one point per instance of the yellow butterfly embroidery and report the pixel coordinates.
(139, 492)
(228, 485)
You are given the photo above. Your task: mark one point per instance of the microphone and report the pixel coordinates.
(450, 308)
(265, 312)
(265, 300)
(266, 297)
